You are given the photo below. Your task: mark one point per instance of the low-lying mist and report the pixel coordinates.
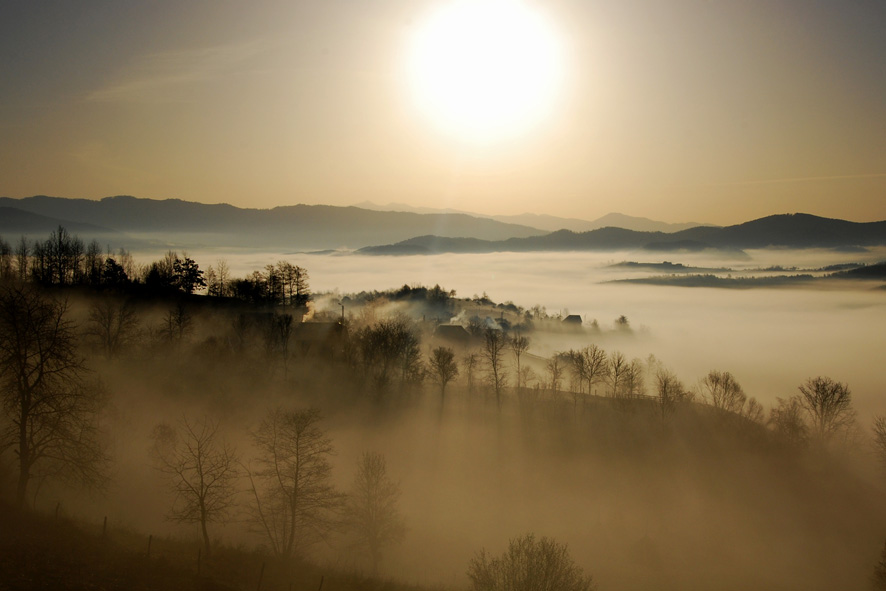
(688, 498)
(770, 338)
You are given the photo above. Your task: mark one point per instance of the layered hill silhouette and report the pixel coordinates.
(551, 223)
(133, 222)
(196, 224)
(781, 231)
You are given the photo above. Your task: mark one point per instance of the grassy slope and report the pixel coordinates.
(38, 552)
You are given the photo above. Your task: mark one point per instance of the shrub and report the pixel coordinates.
(529, 564)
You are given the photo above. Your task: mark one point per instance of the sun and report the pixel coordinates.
(485, 70)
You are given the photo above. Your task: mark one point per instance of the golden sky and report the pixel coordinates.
(709, 111)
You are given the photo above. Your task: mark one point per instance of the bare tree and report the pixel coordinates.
(633, 383)
(92, 263)
(828, 405)
(22, 254)
(519, 345)
(595, 364)
(52, 411)
(218, 279)
(443, 368)
(178, 323)
(113, 324)
(295, 503)
(589, 365)
(618, 367)
(529, 564)
(296, 291)
(469, 364)
(371, 512)
(786, 419)
(722, 391)
(201, 470)
(753, 411)
(670, 392)
(493, 354)
(555, 373)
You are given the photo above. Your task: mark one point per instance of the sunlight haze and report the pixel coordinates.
(716, 112)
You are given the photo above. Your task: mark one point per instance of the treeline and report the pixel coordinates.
(64, 260)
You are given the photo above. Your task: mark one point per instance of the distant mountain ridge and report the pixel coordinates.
(15, 221)
(292, 227)
(133, 222)
(552, 223)
(784, 230)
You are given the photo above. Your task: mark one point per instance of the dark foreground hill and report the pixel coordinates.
(46, 552)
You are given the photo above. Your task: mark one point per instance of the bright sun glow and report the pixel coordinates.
(485, 69)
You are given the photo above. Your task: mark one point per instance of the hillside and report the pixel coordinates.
(45, 552)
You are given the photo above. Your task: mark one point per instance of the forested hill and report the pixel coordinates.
(294, 227)
(786, 231)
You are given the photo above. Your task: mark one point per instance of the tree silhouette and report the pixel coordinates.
(670, 392)
(52, 411)
(201, 470)
(112, 323)
(177, 323)
(828, 405)
(389, 349)
(618, 368)
(113, 274)
(519, 345)
(443, 368)
(493, 354)
(187, 275)
(721, 390)
(786, 419)
(295, 503)
(588, 365)
(296, 291)
(371, 511)
(555, 373)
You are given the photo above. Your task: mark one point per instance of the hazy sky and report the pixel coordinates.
(715, 111)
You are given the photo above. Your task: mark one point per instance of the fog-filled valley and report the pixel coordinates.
(659, 431)
(771, 338)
